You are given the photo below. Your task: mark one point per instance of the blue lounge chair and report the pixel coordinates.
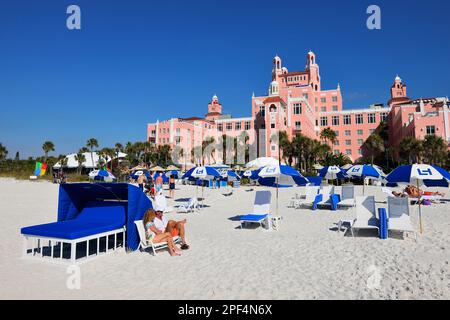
(261, 209)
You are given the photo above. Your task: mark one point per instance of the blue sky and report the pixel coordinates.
(136, 61)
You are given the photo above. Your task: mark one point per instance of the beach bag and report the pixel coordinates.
(426, 202)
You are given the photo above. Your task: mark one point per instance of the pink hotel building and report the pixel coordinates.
(296, 103)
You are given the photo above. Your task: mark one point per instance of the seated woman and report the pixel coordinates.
(156, 236)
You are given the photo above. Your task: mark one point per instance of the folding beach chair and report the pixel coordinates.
(261, 210)
(310, 195)
(144, 244)
(190, 206)
(347, 196)
(326, 193)
(365, 214)
(399, 218)
(160, 202)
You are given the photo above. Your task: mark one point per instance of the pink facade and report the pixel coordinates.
(296, 103)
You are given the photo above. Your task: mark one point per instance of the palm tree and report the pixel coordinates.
(3, 152)
(62, 159)
(118, 148)
(373, 146)
(91, 144)
(411, 149)
(209, 148)
(47, 147)
(80, 158)
(436, 149)
(328, 135)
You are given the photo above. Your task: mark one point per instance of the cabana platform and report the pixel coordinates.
(93, 220)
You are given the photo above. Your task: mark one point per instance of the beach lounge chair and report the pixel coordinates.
(190, 206)
(365, 215)
(261, 210)
(347, 196)
(399, 218)
(144, 244)
(309, 193)
(160, 203)
(326, 193)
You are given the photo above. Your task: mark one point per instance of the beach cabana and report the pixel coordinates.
(93, 219)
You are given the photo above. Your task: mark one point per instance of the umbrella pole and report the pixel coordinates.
(364, 184)
(420, 210)
(276, 211)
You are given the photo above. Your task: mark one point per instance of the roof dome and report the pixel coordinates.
(215, 97)
(397, 78)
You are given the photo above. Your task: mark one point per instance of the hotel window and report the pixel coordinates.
(348, 142)
(337, 133)
(335, 108)
(247, 125)
(262, 111)
(334, 99)
(360, 142)
(347, 119)
(360, 152)
(347, 133)
(178, 131)
(431, 130)
(323, 121)
(335, 120)
(359, 119)
(272, 125)
(371, 117)
(229, 126)
(359, 132)
(297, 108)
(298, 125)
(383, 116)
(323, 109)
(237, 126)
(305, 95)
(336, 152)
(336, 142)
(348, 152)
(323, 100)
(220, 127)
(164, 130)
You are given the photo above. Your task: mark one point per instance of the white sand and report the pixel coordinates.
(304, 260)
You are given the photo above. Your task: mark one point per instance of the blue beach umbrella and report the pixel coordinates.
(135, 174)
(282, 174)
(420, 174)
(203, 173)
(332, 173)
(362, 171)
(101, 175)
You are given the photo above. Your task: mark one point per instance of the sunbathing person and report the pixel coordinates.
(155, 235)
(414, 192)
(175, 228)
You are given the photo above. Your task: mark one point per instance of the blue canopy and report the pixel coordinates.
(363, 171)
(230, 176)
(137, 173)
(280, 176)
(430, 176)
(208, 172)
(332, 173)
(74, 197)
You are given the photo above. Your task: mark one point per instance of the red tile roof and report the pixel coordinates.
(274, 99)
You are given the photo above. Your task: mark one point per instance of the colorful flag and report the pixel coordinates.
(37, 170)
(43, 168)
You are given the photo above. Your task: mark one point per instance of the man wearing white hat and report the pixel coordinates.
(176, 228)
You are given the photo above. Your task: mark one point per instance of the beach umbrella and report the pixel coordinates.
(204, 173)
(262, 162)
(137, 173)
(362, 171)
(157, 168)
(172, 167)
(101, 175)
(332, 173)
(172, 172)
(284, 174)
(420, 174)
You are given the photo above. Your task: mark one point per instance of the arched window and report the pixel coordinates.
(278, 64)
(273, 108)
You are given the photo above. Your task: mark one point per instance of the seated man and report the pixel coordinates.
(174, 227)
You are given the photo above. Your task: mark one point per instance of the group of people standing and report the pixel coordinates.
(153, 187)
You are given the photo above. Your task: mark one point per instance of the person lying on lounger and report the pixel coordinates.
(414, 192)
(175, 228)
(155, 235)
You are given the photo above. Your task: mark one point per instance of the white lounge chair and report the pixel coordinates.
(347, 196)
(310, 197)
(365, 215)
(399, 218)
(160, 202)
(145, 244)
(190, 206)
(261, 210)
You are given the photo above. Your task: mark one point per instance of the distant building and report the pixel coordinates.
(296, 103)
